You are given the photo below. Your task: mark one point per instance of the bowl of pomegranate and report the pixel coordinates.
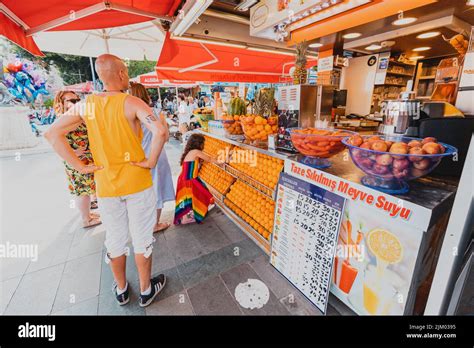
(318, 144)
(390, 161)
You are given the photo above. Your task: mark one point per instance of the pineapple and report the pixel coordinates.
(299, 75)
(265, 102)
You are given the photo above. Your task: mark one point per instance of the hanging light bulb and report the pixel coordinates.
(403, 20)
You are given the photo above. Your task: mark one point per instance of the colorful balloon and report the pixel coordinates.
(24, 80)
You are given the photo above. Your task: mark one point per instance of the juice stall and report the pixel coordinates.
(357, 186)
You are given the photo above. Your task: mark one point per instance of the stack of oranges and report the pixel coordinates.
(266, 170)
(258, 128)
(216, 177)
(253, 207)
(214, 147)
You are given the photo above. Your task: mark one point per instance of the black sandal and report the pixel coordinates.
(94, 205)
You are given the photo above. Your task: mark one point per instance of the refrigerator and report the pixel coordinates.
(301, 106)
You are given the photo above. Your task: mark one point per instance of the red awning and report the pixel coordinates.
(184, 60)
(15, 33)
(51, 15)
(151, 80)
(84, 87)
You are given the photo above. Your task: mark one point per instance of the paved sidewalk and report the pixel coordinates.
(42, 147)
(204, 263)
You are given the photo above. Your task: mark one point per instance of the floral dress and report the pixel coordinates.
(80, 184)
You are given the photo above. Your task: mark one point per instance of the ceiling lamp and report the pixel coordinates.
(416, 57)
(428, 35)
(315, 45)
(351, 35)
(373, 47)
(419, 49)
(403, 20)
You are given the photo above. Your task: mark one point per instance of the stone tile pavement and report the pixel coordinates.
(204, 263)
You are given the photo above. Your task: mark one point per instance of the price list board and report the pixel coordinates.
(305, 234)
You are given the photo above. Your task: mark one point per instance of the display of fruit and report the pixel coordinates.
(316, 142)
(204, 111)
(232, 125)
(237, 106)
(204, 115)
(265, 169)
(300, 73)
(264, 102)
(459, 43)
(216, 177)
(399, 158)
(258, 128)
(253, 207)
(215, 147)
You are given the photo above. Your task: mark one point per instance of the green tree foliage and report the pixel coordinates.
(136, 67)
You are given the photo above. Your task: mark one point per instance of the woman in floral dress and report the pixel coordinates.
(82, 186)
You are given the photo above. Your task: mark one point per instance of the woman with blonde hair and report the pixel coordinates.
(82, 186)
(161, 174)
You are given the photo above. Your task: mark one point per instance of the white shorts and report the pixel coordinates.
(134, 213)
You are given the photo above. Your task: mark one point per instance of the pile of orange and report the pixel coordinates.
(216, 177)
(213, 147)
(253, 207)
(266, 171)
(232, 124)
(257, 127)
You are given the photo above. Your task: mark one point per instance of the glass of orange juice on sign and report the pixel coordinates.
(377, 291)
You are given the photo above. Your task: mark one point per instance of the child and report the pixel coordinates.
(192, 197)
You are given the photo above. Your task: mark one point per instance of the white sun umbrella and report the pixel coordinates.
(131, 42)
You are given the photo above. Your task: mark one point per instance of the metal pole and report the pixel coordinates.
(159, 94)
(92, 71)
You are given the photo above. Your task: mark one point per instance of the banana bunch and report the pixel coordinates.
(237, 107)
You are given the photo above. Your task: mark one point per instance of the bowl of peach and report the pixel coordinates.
(391, 161)
(318, 144)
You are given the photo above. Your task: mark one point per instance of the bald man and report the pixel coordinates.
(122, 172)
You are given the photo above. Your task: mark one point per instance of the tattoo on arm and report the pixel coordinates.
(150, 118)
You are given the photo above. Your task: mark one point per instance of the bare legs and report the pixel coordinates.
(160, 226)
(84, 206)
(144, 270)
(118, 269)
(118, 265)
(158, 215)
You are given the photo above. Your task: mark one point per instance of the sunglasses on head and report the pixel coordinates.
(74, 101)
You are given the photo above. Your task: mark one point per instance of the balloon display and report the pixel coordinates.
(24, 80)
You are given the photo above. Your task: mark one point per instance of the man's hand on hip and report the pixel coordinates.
(89, 168)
